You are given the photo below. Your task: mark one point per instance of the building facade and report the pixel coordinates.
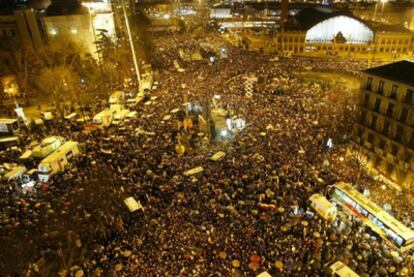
(384, 131)
(24, 25)
(83, 25)
(318, 30)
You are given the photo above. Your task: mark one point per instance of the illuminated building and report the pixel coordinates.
(82, 24)
(384, 130)
(315, 30)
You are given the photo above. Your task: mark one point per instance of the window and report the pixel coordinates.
(369, 82)
(378, 162)
(381, 144)
(394, 149)
(407, 157)
(404, 114)
(366, 100)
(377, 104)
(389, 168)
(411, 142)
(399, 133)
(390, 109)
(381, 87)
(409, 96)
(370, 138)
(374, 122)
(363, 116)
(386, 128)
(394, 92)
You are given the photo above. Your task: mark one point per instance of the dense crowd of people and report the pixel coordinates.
(213, 223)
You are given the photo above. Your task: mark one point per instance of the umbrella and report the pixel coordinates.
(279, 264)
(223, 255)
(235, 263)
(255, 258)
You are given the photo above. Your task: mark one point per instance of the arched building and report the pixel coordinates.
(326, 30)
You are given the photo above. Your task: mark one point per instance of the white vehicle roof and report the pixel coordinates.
(70, 116)
(342, 270)
(26, 155)
(132, 114)
(63, 149)
(321, 200)
(8, 120)
(193, 171)
(8, 139)
(132, 204)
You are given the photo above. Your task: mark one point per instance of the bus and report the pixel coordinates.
(396, 234)
(57, 161)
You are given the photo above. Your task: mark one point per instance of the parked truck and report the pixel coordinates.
(8, 126)
(57, 161)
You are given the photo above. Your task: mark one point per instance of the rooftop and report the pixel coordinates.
(402, 71)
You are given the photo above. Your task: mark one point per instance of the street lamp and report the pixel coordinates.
(382, 8)
(134, 58)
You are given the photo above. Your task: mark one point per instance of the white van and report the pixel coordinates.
(341, 270)
(9, 126)
(323, 207)
(57, 161)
